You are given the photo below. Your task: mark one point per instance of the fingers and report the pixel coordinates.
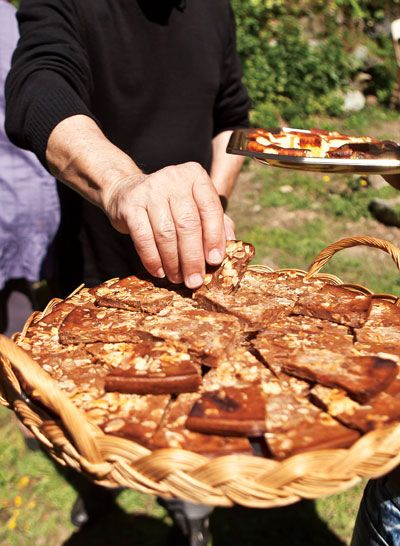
(141, 233)
(165, 236)
(212, 218)
(189, 237)
(176, 222)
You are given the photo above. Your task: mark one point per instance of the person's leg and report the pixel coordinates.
(378, 519)
(93, 501)
(191, 522)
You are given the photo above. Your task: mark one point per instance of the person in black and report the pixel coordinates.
(107, 94)
(130, 104)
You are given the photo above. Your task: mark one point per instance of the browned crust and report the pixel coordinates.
(361, 376)
(230, 411)
(174, 433)
(379, 411)
(153, 385)
(134, 293)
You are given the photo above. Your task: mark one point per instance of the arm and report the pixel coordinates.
(231, 111)
(225, 170)
(225, 167)
(173, 216)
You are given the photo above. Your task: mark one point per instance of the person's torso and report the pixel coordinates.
(156, 73)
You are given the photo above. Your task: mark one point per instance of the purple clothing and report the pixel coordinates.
(29, 207)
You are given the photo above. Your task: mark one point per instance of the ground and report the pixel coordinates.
(289, 217)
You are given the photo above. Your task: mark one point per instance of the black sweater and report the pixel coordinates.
(160, 79)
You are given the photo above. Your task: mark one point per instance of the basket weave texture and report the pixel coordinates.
(64, 431)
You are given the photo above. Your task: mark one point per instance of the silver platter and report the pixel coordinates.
(238, 145)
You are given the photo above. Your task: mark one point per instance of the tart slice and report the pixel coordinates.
(335, 304)
(381, 332)
(226, 277)
(89, 324)
(377, 412)
(133, 293)
(294, 425)
(174, 433)
(126, 415)
(148, 367)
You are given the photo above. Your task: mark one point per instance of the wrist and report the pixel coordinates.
(115, 188)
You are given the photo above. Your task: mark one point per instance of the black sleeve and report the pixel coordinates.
(50, 78)
(232, 105)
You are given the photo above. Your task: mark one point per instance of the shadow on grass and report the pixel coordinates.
(297, 525)
(121, 529)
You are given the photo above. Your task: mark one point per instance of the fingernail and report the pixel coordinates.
(194, 281)
(215, 256)
(160, 273)
(176, 280)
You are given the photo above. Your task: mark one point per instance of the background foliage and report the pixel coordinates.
(299, 57)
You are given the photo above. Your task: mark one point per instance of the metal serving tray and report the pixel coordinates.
(238, 145)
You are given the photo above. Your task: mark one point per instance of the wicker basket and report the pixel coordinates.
(251, 481)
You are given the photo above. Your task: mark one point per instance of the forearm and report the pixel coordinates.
(225, 167)
(81, 156)
(173, 216)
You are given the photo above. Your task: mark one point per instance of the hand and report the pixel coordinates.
(393, 180)
(175, 220)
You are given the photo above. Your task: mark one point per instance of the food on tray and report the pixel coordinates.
(280, 342)
(381, 332)
(335, 304)
(361, 376)
(320, 144)
(378, 411)
(91, 323)
(174, 433)
(229, 411)
(156, 367)
(128, 415)
(133, 293)
(260, 298)
(227, 276)
(291, 363)
(294, 424)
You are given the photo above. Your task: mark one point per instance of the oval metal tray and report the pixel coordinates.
(239, 141)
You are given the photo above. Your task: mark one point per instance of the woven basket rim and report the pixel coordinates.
(242, 479)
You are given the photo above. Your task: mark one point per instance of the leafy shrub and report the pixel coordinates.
(294, 70)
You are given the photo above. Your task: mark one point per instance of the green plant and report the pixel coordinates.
(293, 71)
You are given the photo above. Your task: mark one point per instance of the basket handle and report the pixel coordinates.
(53, 397)
(326, 254)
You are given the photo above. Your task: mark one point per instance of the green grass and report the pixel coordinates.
(298, 214)
(338, 196)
